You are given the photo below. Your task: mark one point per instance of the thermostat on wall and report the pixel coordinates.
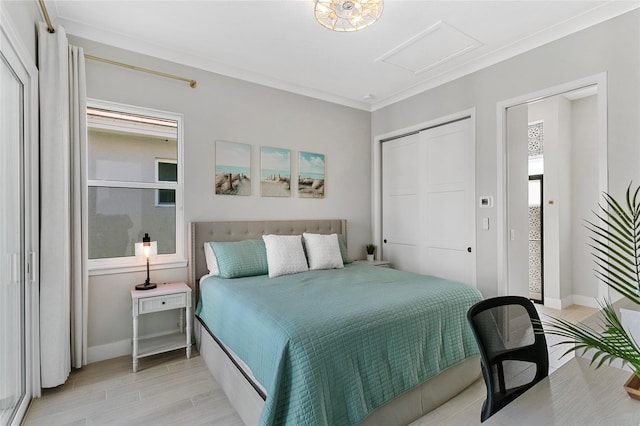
(486, 202)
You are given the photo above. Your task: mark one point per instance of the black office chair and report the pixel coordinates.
(514, 357)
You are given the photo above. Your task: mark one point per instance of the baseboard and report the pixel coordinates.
(116, 349)
(591, 302)
(574, 299)
(109, 350)
(553, 303)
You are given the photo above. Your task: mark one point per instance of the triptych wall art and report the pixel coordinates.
(233, 168)
(233, 171)
(310, 175)
(275, 172)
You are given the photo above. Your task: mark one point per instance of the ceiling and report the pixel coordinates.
(416, 45)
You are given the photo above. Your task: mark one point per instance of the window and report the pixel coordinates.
(134, 177)
(166, 171)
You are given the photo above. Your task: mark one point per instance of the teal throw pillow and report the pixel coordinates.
(343, 250)
(241, 258)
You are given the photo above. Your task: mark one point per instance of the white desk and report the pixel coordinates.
(575, 394)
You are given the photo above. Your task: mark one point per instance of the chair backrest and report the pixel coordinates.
(514, 357)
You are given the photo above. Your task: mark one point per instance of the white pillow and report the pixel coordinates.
(285, 254)
(323, 251)
(212, 262)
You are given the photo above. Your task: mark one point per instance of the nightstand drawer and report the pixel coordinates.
(161, 303)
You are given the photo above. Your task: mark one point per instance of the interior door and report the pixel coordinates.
(12, 248)
(428, 210)
(448, 242)
(400, 202)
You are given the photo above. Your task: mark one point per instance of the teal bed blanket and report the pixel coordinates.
(331, 346)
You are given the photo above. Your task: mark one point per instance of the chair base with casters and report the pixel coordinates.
(513, 349)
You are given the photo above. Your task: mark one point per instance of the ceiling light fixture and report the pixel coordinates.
(347, 15)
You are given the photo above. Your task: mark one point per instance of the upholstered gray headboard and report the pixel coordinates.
(201, 232)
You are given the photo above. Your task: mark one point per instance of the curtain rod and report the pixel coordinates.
(43, 8)
(52, 30)
(192, 83)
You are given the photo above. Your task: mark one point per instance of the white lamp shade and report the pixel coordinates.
(153, 249)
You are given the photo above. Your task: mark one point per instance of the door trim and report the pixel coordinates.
(603, 180)
(376, 172)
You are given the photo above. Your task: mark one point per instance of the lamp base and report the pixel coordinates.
(146, 286)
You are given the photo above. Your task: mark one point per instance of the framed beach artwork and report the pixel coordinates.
(310, 175)
(233, 168)
(275, 172)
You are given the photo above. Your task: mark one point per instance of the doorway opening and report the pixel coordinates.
(536, 244)
(557, 136)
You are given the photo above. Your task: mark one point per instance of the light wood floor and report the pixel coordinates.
(574, 314)
(168, 389)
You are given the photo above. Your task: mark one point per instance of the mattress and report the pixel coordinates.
(329, 347)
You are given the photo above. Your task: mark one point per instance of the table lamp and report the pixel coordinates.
(146, 248)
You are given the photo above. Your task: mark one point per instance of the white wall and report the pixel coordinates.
(565, 190)
(584, 147)
(612, 47)
(23, 16)
(223, 108)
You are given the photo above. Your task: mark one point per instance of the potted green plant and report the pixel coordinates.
(371, 251)
(616, 252)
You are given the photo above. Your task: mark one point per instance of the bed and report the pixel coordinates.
(330, 347)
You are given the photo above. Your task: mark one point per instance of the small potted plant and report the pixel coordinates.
(371, 251)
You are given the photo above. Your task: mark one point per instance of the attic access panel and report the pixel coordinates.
(437, 44)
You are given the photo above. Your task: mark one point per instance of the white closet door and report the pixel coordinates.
(428, 193)
(400, 202)
(448, 203)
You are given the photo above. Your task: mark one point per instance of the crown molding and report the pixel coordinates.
(589, 18)
(81, 30)
(562, 29)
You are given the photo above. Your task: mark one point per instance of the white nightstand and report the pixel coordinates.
(162, 298)
(381, 263)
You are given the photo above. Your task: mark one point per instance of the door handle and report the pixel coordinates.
(15, 268)
(384, 241)
(469, 249)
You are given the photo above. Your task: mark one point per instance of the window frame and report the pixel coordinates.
(126, 264)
